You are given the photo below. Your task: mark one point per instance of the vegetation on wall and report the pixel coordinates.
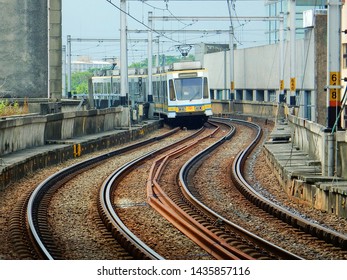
(8, 108)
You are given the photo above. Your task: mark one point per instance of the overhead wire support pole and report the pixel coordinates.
(333, 80)
(213, 18)
(281, 64)
(292, 28)
(150, 55)
(69, 66)
(186, 31)
(123, 55)
(232, 62)
(334, 64)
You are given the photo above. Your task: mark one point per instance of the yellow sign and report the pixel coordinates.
(292, 84)
(232, 86)
(77, 150)
(281, 85)
(334, 98)
(190, 108)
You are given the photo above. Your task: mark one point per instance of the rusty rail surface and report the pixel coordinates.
(205, 238)
(109, 216)
(186, 189)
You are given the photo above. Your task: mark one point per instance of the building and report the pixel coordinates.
(257, 71)
(86, 64)
(275, 7)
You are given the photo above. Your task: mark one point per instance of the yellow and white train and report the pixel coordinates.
(180, 93)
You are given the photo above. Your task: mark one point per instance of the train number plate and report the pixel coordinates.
(190, 108)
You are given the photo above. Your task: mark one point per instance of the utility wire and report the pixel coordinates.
(145, 25)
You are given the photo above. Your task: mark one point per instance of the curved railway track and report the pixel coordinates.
(218, 240)
(219, 237)
(29, 226)
(293, 219)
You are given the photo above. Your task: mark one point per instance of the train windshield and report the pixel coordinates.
(188, 88)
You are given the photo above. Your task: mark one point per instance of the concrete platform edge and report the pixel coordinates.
(34, 159)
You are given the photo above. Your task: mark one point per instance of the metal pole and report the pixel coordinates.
(292, 52)
(281, 38)
(123, 55)
(49, 48)
(232, 61)
(333, 77)
(213, 18)
(334, 74)
(63, 92)
(69, 66)
(150, 55)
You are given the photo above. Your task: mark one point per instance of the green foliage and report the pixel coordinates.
(8, 109)
(168, 61)
(79, 81)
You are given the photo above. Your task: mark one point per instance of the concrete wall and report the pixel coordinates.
(55, 49)
(308, 136)
(259, 109)
(257, 69)
(23, 48)
(31, 65)
(311, 138)
(32, 131)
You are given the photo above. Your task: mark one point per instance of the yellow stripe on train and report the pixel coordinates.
(189, 108)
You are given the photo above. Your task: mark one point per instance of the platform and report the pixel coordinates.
(14, 166)
(301, 176)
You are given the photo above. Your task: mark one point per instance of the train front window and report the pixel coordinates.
(188, 88)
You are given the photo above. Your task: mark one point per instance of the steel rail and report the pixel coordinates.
(183, 179)
(202, 236)
(328, 235)
(41, 239)
(109, 216)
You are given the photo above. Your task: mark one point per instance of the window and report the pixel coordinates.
(188, 88)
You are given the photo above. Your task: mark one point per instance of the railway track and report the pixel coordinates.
(29, 228)
(293, 219)
(219, 238)
(195, 221)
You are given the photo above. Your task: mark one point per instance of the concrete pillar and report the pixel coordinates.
(54, 50)
(23, 48)
(320, 49)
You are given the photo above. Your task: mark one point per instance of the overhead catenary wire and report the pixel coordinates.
(138, 21)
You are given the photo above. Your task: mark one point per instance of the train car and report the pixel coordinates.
(180, 93)
(106, 87)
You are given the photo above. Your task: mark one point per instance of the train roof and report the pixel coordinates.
(176, 66)
(186, 65)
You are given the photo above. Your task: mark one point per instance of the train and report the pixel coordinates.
(180, 92)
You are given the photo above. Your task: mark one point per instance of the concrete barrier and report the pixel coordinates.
(33, 131)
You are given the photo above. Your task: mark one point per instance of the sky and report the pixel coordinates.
(99, 19)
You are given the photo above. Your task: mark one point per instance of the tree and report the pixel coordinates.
(79, 81)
